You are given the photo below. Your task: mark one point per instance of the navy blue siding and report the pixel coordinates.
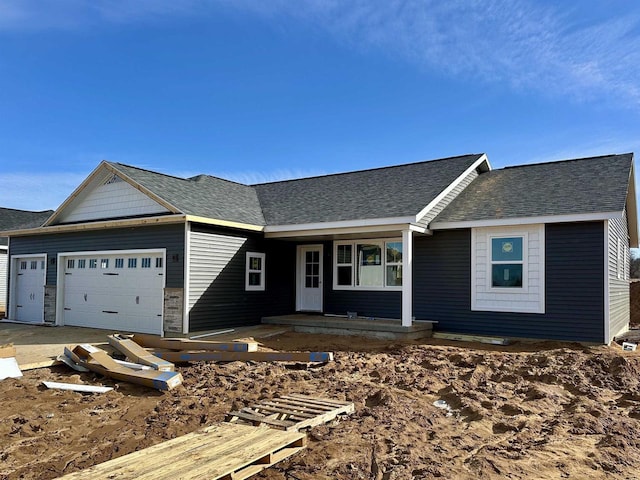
(226, 303)
(377, 303)
(170, 237)
(574, 286)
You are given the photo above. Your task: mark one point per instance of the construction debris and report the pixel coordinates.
(187, 344)
(137, 354)
(203, 356)
(100, 362)
(77, 388)
(8, 365)
(460, 337)
(292, 412)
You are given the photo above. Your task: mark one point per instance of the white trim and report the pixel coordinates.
(11, 311)
(607, 286)
(515, 293)
(4, 247)
(187, 284)
(504, 222)
(524, 262)
(61, 266)
(452, 185)
(370, 222)
(248, 270)
(334, 232)
(299, 276)
(407, 278)
(383, 242)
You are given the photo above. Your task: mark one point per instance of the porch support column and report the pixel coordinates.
(407, 278)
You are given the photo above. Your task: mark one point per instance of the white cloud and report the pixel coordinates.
(555, 49)
(29, 191)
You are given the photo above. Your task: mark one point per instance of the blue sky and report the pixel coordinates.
(264, 90)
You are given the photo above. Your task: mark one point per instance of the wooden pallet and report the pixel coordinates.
(292, 412)
(223, 451)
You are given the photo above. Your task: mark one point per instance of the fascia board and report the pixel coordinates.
(301, 227)
(483, 158)
(632, 209)
(498, 222)
(102, 225)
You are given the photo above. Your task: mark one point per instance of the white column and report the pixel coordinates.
(407, 278)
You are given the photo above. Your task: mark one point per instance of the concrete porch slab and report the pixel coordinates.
(384, 329)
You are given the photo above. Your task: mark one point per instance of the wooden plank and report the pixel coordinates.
(471, 338)
(295, 407)
(316, 400)
(98, 361)
(286, 424)
(190, 356)
(77, 388)
(220, 451)
(267, 408)
(154, 341)
(136, 353)
(7, 351)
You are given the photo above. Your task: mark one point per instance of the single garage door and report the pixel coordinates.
(28, 288)
(114, 291)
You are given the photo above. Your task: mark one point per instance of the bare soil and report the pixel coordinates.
(530, 410)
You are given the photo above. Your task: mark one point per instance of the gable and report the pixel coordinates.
(111, 197)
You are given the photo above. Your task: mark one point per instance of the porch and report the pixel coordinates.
(336, 325)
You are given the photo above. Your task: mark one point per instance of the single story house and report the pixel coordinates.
(534, 251)
(12, 219)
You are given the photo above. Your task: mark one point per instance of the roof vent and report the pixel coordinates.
(113, 179)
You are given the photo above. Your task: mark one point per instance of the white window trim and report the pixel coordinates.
(372, 241)
(506, 232)
(524, 262)
(248, 271)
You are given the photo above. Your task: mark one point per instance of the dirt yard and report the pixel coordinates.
(533, 411)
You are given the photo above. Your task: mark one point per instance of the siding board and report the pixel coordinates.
(573, 277)
(217, 295)
(619, 297)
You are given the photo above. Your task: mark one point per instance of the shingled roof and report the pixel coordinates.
(203, 195)
(397, 191)
(11, 219)
(570, 187)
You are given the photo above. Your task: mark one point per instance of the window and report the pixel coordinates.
(71, 263)
(119, 262)
(104, 263)
(368, 265)
(23, 265)
(34, 264)
(159, 262)
(146, 262)
(254, 279)
(82, 263)
(93, 263)
(133, 263)
(506, 262)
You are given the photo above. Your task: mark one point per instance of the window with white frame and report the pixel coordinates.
(368, 264)
(255, 268)
(507, 262)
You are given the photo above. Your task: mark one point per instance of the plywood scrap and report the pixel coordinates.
(222, 451)
(137, 354)
(292, 412)
(77, 388)
(154, 341)
(7, 351)
(98, 361)
(204, 356)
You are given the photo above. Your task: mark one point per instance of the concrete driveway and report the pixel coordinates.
(38, 345)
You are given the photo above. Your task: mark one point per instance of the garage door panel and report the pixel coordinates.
(117, 293)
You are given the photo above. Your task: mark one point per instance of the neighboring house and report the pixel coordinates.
(537, 251)
(14, 219)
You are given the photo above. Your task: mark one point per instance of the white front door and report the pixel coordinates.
(28, 288)
(309, 278)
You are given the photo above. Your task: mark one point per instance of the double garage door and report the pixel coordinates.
(114, 291)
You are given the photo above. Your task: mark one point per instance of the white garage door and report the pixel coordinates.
(28, 288)
(114, 291)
